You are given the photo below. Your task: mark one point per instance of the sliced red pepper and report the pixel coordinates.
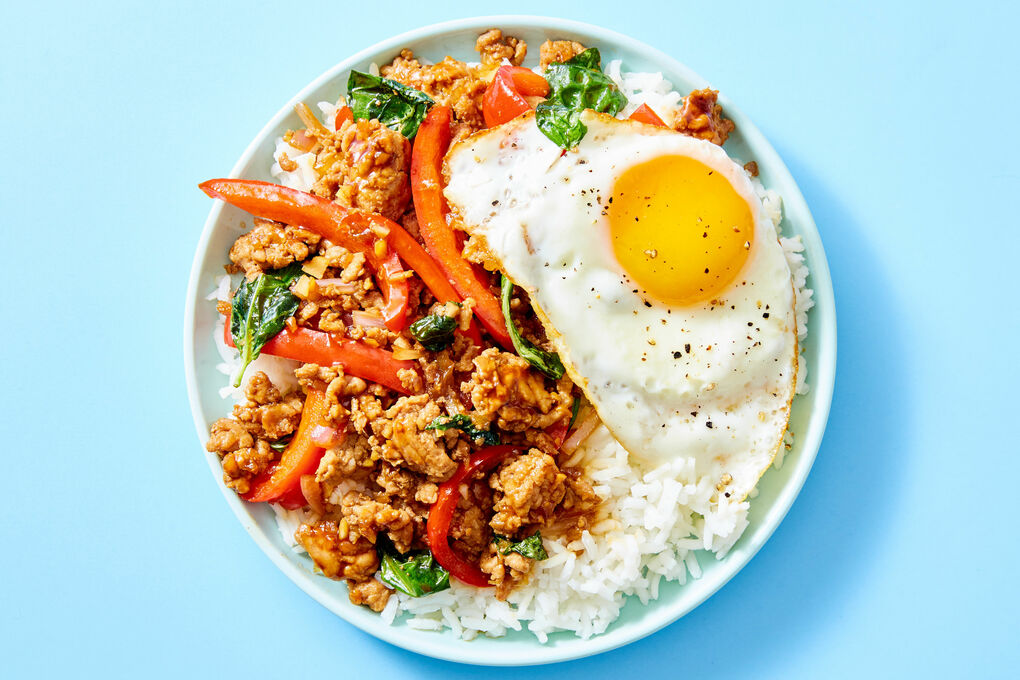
(645, 114)
(430, 146)
(295, 498)
(427, 269)
(501, 102)
(504, 98)
(346, 228)
(526, 81)
(316, 347)
(343, 227)
(301, 457)
(441, 513)
(343, 114)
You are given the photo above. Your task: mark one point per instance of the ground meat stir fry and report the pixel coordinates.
(271, 246)
(505, 389)
(528, 490)
(337, 552)
(450, 82)
(558, 51)
(246, 440)
(494, 47)
(702, 117)
(377, 454)
(364, 165)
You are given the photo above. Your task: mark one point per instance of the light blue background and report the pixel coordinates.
(900, 557)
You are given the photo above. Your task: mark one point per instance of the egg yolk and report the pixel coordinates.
(679, 229)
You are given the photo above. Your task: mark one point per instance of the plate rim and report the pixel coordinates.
(823, 381)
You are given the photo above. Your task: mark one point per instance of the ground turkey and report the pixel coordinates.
(528, 489)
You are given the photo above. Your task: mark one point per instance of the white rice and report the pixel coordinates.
(646, 88)
(652, 520)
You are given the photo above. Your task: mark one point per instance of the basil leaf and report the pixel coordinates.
(574, 410)
(560, 124)
(463, 423)
(417, 575)
(260, 310)
(590, 58)
(393, 104)
(530, 547)
(547, 362)
(574, 86)
(434, 332)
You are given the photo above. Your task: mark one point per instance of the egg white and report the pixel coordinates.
(711, 380)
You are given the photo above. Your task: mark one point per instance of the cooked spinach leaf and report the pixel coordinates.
(530, 547)
(416, 574)
(547, 362)
(434, 332)
(259, 310)
(574, 86)
(393, 104)
(463, 423)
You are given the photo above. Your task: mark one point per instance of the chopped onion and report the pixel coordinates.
(324, 436)
(402, 353)
(315, 267)
(313, 494)
(302, 141)
(339, 285)
(304, 287)
(581, 432)
(309, 119)
(367, 319)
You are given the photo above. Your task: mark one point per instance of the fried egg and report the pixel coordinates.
(659, 277)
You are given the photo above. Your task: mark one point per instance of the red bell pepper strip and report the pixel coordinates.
(343, 114)
(330, 221)
(504, 98)
(295, 498)
(645, 114)
(430, 146)
(301, 456)
(427, 269)
(526, 81)
(501, 102)
(316, 347)
(346, 228)
(441, 514)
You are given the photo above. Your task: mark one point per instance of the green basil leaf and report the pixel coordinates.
(590, 58)
(574, 410)
(463, 423)
(393, 104)
(434, 332)
(260, 310)
(574, 86)
(530, 547)
(417, 575)
(560, 124)
(547, 362)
